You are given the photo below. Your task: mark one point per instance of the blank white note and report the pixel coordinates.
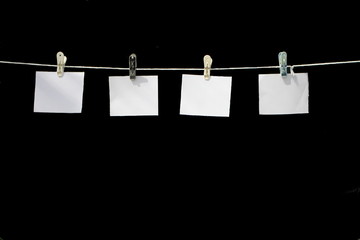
(133, 97)
(205, 97)
(283, 95)
(55, 94)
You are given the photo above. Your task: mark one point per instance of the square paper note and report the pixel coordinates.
(55, 94)
(283, 95)
(205, 97)
(133, 97)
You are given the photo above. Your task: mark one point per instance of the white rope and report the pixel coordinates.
(182, 69)
(326, 63)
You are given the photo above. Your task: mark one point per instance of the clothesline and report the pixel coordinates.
(198, 97)
(181, 69)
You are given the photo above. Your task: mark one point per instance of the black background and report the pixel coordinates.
(90, 176)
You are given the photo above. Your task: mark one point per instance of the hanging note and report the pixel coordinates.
(133, 97)
(203, 97)
(283, 95)
(59, 95)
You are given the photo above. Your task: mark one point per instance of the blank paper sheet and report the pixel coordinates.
(283, 95)
(55, 94)
(133, 97)
(205, 97)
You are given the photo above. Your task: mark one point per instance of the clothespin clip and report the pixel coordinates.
(61, 61)
(283, 63)
(207, 66)
(132, 66)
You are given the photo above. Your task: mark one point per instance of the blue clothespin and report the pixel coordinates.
(283, 63)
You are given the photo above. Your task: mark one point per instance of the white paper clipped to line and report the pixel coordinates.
(283, 95)
(203, 97)
(59, 95)
(133, 97)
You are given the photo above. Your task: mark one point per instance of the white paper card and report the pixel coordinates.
(205, 97)
(283, 95)
(133, 97)
(55, 94)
